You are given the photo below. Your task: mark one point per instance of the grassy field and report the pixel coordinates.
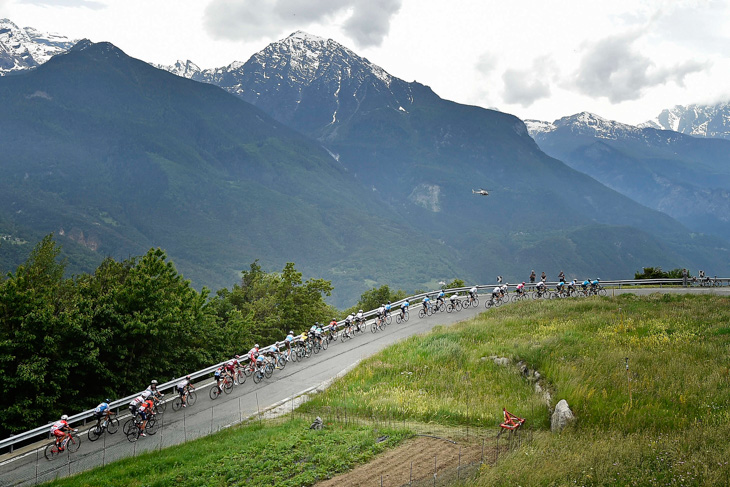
(670, 428)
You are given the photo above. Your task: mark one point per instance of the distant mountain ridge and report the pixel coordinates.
(686, 177)
(697, 120)
(26, 48)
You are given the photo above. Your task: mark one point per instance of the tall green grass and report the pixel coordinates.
(663, 420)
(284, 454)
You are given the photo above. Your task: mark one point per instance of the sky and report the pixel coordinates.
(624, 60)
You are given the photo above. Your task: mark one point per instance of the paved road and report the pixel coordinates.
(28, 466)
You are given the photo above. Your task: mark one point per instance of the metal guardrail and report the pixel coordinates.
(415, 299)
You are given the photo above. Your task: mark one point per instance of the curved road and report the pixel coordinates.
(28, 466)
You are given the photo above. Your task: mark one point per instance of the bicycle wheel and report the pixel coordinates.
(429, 311)
(374, 326)
(95, 432)
(281, 361)
(228, 387)
(316, 347)
(177, 403)
(112, 426)
(344, 336)
(133, 434)
(214, 392)
(269, 370)
(160, 406)
(192, 397)
(240, 377)
(152, 426)
(73, 443)
(602, 292)
(257, 376)
(458, 306)
(51, 451)
(388, 320)
(325, 344)
(421, 313)
(128, 425)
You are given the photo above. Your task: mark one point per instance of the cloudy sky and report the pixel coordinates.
(624, 60)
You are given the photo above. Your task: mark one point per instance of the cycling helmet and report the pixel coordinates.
(360, 311)
(291, 332)
(256, 346)
(64, 417)
(187, 377)
(523, 283)
(154, 382)
(237, 357)
(388, 302)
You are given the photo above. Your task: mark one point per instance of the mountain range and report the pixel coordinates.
(309, 154)
(683, 176)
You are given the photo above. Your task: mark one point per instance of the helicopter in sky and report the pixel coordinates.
(481, 192)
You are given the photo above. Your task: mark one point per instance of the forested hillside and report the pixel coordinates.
(68, 343)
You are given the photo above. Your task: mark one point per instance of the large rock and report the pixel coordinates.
(561, 417)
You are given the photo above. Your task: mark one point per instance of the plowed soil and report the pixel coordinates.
(415, 459)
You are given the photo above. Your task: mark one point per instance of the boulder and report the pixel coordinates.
(561, 416)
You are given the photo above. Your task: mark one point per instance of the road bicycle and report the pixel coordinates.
(265, 370)
(70, 443)
(190, 397)
(494, 302)
(226, 386)
(402, 317)
(109, 424)
(428, 311)
(134, 431)
(519, 296)
(471, 301)
(454, 305)
(377, 324)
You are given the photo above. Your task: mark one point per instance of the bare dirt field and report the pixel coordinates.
(416, 459)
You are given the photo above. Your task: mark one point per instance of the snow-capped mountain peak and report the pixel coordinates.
(25, 48)
(697, 120)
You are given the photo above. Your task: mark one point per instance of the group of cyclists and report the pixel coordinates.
(143, 406)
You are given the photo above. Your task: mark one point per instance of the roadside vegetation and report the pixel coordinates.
(668, 426)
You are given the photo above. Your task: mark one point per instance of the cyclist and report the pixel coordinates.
(253, 353)
(440, 298)
(404, 309)
(426, 303)
(473, 292)
(520, 289)
(585, 283)
(571, 286)
(217, 374)
(332, 329)
(348, 325)
(182, 388)
(359, 319)
(540, 288)
(102, 411)
(230, 369)
(387, 308)
(381, 312)
(60, 429)
(496, 293)
(135, 403)
(560, 287)
(152, 388)
(504, 288)
(146, 410)
(453, 298)
(594, 285)
(289, 340)
(316, 332)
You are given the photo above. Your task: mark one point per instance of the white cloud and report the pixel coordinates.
(367, 22)
(526, 86)
(613, 68)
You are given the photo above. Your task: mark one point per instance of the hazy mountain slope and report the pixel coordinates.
(423, 155)
(685, 177)
(133, 157)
